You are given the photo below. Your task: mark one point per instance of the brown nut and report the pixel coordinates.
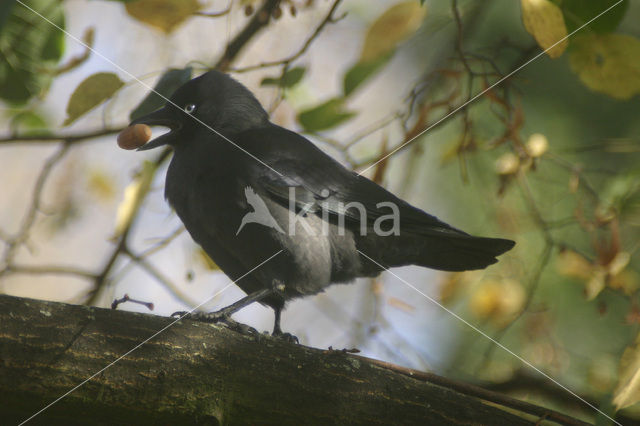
(134, 136)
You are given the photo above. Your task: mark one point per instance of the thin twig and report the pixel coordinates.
(259, 21)
(159, 277)
(216, 14)
(286, 61)
(22, 236)
(50, 270)
(56, 138)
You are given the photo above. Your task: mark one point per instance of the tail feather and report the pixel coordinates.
(445, 252)
(462, 253)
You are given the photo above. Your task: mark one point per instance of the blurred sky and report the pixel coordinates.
(341, 316)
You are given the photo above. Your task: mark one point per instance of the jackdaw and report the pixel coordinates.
(325, 224)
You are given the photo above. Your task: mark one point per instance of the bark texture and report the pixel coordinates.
(196, 373)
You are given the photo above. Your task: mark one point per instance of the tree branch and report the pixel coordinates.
(258, 22)
(286, 61)
(209, 374)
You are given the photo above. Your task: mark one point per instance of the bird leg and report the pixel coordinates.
(277, 331)
(224, 315)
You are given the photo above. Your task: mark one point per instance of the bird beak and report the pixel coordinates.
(166, 117)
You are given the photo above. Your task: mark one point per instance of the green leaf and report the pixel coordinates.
(168, 83)
(361, 71)
(324, 116)
(578, 12)
(384, 35)
(28, 123)
(93, 91)
(5, 11)
(289, 79)
(622, 193)
(607, 63)
(31, 47)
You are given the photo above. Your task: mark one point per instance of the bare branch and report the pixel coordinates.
(288, 60)
(50, 270)
(56, 138)
(25, 228)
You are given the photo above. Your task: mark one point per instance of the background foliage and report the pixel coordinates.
(484, 113)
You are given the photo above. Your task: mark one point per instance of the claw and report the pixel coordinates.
(287, 337)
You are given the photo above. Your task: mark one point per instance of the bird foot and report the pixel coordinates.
(217, 317)
(286, 337)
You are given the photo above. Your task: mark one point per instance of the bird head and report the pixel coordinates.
(213, 100)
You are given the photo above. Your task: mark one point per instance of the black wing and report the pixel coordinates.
(320, 180)
(322, 184)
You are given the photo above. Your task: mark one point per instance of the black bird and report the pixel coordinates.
(334, 225)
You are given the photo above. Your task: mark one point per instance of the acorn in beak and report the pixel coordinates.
(138, 133)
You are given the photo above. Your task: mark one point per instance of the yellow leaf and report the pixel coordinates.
(101, 185)
(165, 15)
(457, 283)
(619, 262)
(628, 390)
(134, 193)
(572, 264)
(544, 21)
(626, 280)
(497, 301)
(607, 63)
(621, 277)
(391, 28)
(596, 283)
(203, 258)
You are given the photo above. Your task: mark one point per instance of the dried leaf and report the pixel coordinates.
(544, 21)
(391, 28)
